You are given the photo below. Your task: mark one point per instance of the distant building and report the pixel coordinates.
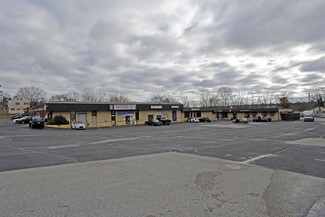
(17, 105)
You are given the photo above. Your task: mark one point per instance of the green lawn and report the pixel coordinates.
(5, 116)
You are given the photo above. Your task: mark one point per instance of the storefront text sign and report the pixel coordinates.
(124, 107)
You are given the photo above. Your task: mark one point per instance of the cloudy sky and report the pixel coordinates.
(144, 47)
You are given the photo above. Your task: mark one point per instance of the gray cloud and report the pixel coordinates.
(146, 47)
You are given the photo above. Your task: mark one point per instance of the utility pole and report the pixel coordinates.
(308, 97)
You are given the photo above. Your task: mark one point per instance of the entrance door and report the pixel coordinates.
(174, 114)
(150, 117)
(127, 120)
(94, 121)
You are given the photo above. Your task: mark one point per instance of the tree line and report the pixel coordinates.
(224, 96)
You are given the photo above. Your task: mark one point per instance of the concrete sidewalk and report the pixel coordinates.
(168, 184)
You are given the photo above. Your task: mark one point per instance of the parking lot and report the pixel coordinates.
(292, 146)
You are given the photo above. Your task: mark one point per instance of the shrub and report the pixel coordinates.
(58, 120)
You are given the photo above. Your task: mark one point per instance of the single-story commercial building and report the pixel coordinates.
(110, 114)
(222, 113)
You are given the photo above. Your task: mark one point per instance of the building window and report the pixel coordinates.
(137, 115)
(186, 114)
(26, 103)
(198, 114)
(12, 109)
(17, 103)
(18, 109)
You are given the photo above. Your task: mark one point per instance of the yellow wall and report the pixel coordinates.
(208, 114)
(104, 119)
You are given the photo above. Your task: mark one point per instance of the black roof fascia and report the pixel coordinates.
(144, 107)
(61, 107)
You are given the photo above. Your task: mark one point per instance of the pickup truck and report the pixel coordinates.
(164, 121)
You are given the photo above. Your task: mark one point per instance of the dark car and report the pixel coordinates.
(154, 122)
(36, 122)
(265, 119)
(16, 116)
(164, 121)
(25, 120)
(205, 119)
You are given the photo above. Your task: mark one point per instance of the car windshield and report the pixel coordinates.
(154, 120)
(38, 119)
(77, 122)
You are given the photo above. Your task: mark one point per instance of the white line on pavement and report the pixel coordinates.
(118, 140)
(257, 158)
(63, 146)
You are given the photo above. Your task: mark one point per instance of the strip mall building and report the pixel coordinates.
(121, 114)
(107, 115)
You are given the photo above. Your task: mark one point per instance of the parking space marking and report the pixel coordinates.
(320, 160)
(258, 158)
(63, 146)
(226, 126)
(118, 140)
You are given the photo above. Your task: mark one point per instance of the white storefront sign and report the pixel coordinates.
(174, 106)
(156, 107)
(125, 107)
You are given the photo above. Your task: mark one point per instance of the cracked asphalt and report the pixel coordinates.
(292, 146)
(186, 169)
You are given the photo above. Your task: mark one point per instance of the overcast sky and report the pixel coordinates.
(144, 47)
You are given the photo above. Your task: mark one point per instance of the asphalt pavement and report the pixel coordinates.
(186, 169)
(167, 184)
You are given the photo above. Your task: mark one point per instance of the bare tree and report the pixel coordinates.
(186, 101)
(61, 97)
(93, 95)
(115, 98)
(33, 94)
(205, 96)
(72, 96)
(240, 98)
(208, 99)
(283, 99)
(225, 95)
(157, 98)
(267, 97)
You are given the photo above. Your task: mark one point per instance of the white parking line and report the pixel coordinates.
(320, 160)
(63, 146)
(257, 158)
(118, 140)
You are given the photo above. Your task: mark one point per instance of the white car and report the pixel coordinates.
(78, 125)
(193, 120)
(15, 121)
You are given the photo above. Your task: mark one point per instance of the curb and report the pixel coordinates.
(318, 209)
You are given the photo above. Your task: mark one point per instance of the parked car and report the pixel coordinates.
(256, 119)
(16, 121)
(265, 119)
(205, 119)
(165, 121)
(154, 122)
(36, 122)
(17, 116)
(240, 120)
(77, 125)
(24, 120)
(193, 120)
